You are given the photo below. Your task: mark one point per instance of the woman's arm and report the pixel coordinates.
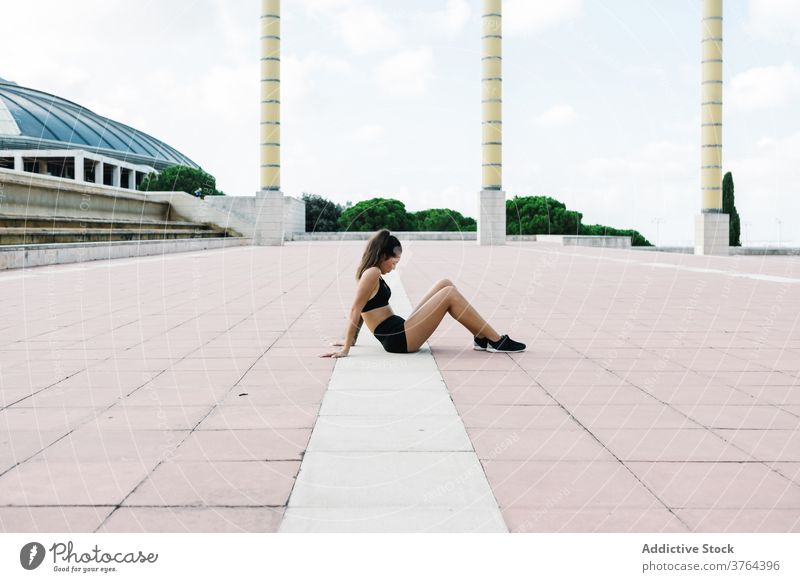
(358, 328)
(353, 327)
(366, 285)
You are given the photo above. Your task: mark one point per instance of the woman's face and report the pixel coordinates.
(389, 264)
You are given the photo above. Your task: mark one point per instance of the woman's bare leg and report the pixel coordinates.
(441, 284)
(420, 325)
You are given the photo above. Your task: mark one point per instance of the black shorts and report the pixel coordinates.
(391, 333)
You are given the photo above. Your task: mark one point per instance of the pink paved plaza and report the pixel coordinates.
(659, 392)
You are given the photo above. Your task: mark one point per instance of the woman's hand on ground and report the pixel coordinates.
(341, 354)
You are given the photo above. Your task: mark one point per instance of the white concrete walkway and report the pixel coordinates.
(389, 451)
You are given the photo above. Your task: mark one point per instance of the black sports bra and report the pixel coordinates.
(381, 297)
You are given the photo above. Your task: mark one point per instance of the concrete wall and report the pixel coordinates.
(749, 251)
(613, 242)
(619, 242)
(294, 215)
(17, 257)
(34, 195)
(244, 208)
(402, 235)
(187, 207)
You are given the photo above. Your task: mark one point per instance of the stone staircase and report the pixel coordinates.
(28, 230)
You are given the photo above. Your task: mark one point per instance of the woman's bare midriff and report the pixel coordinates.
(374, 317)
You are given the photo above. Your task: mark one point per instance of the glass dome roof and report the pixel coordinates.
(31, 119)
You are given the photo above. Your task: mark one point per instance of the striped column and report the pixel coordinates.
(711, 106)
(492, 89)
(711, 225)
(270, 95)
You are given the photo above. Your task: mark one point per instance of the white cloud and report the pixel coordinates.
(563, 114)
(452, 18)
(314, 7)
(767, 188)
(299, 75)
(521, 17)
(406, 74)
(776, 20)
(368, 133)
(765, 87)
(362, 26)
(366, 29)
(658, 180)
(663, 160)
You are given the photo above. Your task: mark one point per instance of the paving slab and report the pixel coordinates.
(193, 519)
(219, 483)
(378, 402)
(270, 444)
(744, 416)
(538, 444)
(631, 416)
(90, 483)
(668, 444)
(54, 519)
(250, 416)
(568, 484)
(751, 485)
(591, 520)
(390, 433)
(393, 519)
(741, 520)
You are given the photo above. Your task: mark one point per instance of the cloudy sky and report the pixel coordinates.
(382, 98)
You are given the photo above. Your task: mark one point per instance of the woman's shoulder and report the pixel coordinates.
(371, 273)
(370, 276)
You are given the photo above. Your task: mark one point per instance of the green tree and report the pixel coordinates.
(443, 219)
(181, 179)
(376, 213)
(322, 215)
(546, 215)
(637, 239)
(540, 215)
(729, 208)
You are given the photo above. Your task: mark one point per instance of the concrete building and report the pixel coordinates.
(44, 134)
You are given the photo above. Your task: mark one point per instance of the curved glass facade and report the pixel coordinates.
(44, 121)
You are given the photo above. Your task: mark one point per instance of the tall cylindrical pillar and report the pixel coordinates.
(269, 203)
(492, 100)
(270, 95)
(711, 106)
(711, 225)
(491, 198)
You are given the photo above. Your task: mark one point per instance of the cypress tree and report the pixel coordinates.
(729, 208)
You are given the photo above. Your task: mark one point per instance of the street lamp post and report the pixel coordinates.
(658, 222)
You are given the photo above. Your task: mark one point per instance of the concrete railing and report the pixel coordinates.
(618, 242)
(403, 235)
(38, 195)
(184, 206)
(244, 208)
(567, 240)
